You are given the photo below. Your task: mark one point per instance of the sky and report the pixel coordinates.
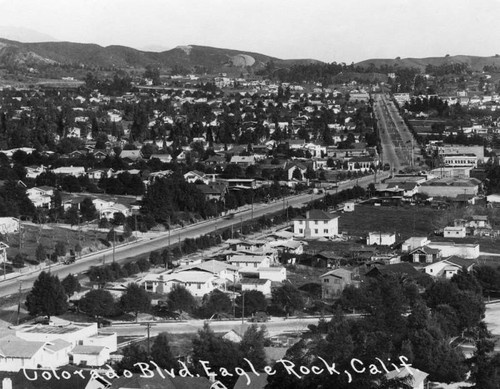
(327, 30)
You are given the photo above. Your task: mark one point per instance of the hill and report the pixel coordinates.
(209, 59)
(474, 62)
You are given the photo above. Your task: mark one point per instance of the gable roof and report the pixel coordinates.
(256, 381)
(13, 347)
(317, 214)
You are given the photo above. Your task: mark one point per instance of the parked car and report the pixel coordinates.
(259, 317)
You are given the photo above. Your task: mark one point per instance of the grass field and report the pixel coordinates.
(405, 221)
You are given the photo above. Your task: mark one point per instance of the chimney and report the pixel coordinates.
(6, 383)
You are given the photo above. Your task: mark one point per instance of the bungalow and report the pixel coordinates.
(424, 254)
(17, 354)
(250, 263)
(109, 212)
(75, 171)
(243, 160)
(34, 171)
(418, 378)
(97, 174)
(220, 269)
(131, 155)
(276, 274)
(213, 191)
(454, 232)
(259, 284)
(448, 267)
(9, 225)
(334, 282)
(198, 283)
(41, 197)
(83, 355)
(195, 175)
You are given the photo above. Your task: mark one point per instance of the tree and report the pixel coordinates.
(162, 354)
(87, 209)
(97, 303)
(40, 254)
(288, 297)
(220, 353)
(47, 297)
(251, 301)
(71, 284)
(297, 174)
(252, 346)
(71, 216)
(135, 299)
(131, 356)
(216, 302)
(180, 299)
(60, 249)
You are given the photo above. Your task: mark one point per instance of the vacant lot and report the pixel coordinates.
(405, 221)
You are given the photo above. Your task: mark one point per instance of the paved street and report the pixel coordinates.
(124, 252)
(398, 145)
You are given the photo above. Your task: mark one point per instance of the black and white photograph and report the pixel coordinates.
(236, 194)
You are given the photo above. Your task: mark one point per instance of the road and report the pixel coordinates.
(145, 246)
(398, 144)
(275, 326)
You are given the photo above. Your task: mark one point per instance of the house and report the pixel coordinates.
(259, 284)
(315, 224)
(34, 171)
(450, 187)
(73, 378)
(448, 267)
(250, 263)
(213, 191)
(291, 167)
(109, 211)
(381, 239)
(276, 274)
(418, 378)
(424, 254)
(454, 232)
(334, 282)
(75, 171)
(41, 197)
(414, 242)
(9, 225)
(83, 355)
(73, 333)
(198, 283)
(131, 155)
(97, 174)
(402, 269)
(17, 354)
(195, 175)
(220, 269)
(243, 160)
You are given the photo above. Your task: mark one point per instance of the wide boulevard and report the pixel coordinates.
(144, 246)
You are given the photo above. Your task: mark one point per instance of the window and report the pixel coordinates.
(316, 231)
(316, 222)
(325, 230)
(326, 280)
(301, 231)
(255, 264)
(198, 286)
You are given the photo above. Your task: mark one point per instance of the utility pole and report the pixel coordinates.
(148, 326)
(114, 244)
(243, 308)
(19, 302)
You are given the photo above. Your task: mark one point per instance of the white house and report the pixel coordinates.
(277, 274)
(258, 284)
(418, 377)
(109, 212)
(454, 232)
(75, 171)
(194, 176)
(198, 283)
(220, 269)
(349, 207)
(250, 263)
(8, 225)
(448, 267)
(83, 355)
(316, 224)
(41, 197)
(16, 354)
(381, 238)
(414, 242)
